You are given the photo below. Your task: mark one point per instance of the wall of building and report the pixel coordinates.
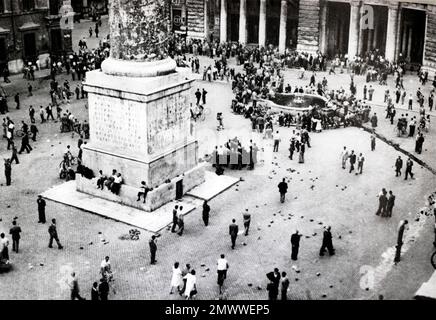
(430, 41)
(20, 26)
(196, 18)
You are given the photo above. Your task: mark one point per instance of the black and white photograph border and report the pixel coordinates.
(227, 150)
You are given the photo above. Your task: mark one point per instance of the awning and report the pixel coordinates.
(29, 26)
(2, 30)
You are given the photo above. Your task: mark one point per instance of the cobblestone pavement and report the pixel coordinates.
(320, 194)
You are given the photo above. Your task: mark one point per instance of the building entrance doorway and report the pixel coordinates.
(338, 25)
(412, 35)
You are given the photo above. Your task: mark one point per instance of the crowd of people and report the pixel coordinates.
(262, 78)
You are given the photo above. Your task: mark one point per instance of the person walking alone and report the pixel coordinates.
(247, 220)
(327, 242)
(41, 209)
(52, 230)
(276, 138)
(153, 248)
(295, 243)
(284, 286)
(205, 213)
(409, 165)
(8, 171)
(15, 233)
(398, 166)
(74, 286)
(283, 189)
(233, 232)
(222, 268)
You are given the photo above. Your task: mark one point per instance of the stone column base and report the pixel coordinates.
(156, 198)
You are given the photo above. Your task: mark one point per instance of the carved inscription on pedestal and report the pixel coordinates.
(117, 125)
(168, 122)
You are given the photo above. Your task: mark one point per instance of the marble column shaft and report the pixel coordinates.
(391, 34)
(323, 28)
(353, 37)
(262, 23)
(223, 21)
(243, 22)
(283, 23)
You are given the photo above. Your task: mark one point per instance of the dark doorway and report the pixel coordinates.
(179, 189)
(272, 22)
(412, 35)
(253, 7)
(29, 40)
(234, 27)
(338, 26)
(56, 40)
(233, 20)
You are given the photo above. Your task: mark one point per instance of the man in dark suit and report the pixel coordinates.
(41, 209)
(247, 221)
(295, 242)
(53, 235)
(391, 203)
(409, 165)
(233, 231)
(153, 249)
(25, 144)
(292, 148)
(327, 242)
(283, 188)
(352, 160)
(15, 232)
(398, 166)
(175, 219)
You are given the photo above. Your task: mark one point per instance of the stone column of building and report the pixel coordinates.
(262, 23)
(206, 19)
(243, 21)
(283, 23)
(353, 37)
(370, 39)
(391, 32)
(308, 26)
(375, 39)
(323, 27)
(398, 35)
(409, 42)
(223, 21)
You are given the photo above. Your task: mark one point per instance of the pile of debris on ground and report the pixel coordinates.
(133, 235)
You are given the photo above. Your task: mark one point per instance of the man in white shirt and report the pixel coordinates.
(276, 138)
(223, 265)
(105, 268)
(344, 157)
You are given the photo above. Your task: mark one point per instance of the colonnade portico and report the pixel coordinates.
(242, 32)
(353, 27)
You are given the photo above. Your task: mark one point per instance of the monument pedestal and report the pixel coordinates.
(141, 127)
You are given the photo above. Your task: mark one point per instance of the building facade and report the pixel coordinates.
(30, 31)
(24, 34)
(397, 28)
